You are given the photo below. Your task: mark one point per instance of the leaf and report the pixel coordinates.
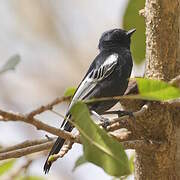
(99, 148)
(70, 91)
(6, 166)
(132, 19)
(30, 178)
(12, 62)
(152, 89)
(81, 160)
(131, 164)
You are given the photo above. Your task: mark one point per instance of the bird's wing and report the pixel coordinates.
(95, 75)
(91, 80)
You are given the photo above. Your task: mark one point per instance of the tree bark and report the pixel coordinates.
(177, 114)
(159, 123)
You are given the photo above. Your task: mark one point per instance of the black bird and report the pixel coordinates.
(107, 76)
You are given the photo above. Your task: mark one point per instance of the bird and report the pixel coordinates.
(107, 76)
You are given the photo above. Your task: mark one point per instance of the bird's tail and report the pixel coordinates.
(56, 147)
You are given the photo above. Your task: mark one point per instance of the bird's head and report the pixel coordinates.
(115, 38)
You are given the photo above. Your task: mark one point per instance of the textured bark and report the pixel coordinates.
(177, 114)
(162, 36)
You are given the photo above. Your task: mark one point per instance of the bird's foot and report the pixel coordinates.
(125, 113)
(105, 121)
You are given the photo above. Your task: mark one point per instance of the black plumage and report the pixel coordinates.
(107, 76)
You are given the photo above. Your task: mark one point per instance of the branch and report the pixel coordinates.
(10, 116)
(121, 135)
(136, 114)
(49, 106)
(21, 169)
(29, 147)
(122, 122)
(25, 144)
(65, 149)
(133, 144)
(16, 153)
(174, 102)
(144, 145)
(175, 81)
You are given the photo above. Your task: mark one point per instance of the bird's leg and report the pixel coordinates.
(105, 121)
(121, 113)
(131, 120)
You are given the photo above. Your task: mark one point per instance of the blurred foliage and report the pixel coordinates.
(30, 178)
(132, 19)
(6, 166)
(99, 148)
(81, 160)
(152, 89)
(11, 63)
(70, 91)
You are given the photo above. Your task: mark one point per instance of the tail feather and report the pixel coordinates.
(56, 147)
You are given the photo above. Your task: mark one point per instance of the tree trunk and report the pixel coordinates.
(159, 123)
(177, 115)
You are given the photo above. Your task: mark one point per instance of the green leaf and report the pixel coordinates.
(132, 19)
(30, 178)
(70, 91)
(152, 89)
(81, 160)
(131, 164)
(99, 148)
(12, 62)
(6, 166)
(34, 178)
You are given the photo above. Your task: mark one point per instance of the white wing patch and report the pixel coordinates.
(111, 59)
(94, 77)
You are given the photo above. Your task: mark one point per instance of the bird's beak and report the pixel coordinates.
(130, 32)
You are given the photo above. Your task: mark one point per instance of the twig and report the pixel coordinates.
(25, 151)
(142, 145)
(10, 116)
(25, 144)
(175, 81)
(143, 109)
(21, 169)
(124, 123)
(121, 136)
(173, 103)
(65, 149)
(134, 144)
(142, 12)
(16, 153)
(89, 101)
(29, 147)
(57, 113)
(48, 106)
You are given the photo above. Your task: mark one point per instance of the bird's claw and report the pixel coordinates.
(106, 122)
(131, 115)
(126, 113)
